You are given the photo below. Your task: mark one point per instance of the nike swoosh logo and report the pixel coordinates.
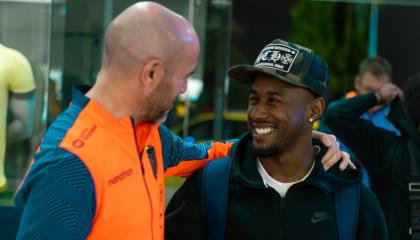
(316, 219)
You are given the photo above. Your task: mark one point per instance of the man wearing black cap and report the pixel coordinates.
(277, 187)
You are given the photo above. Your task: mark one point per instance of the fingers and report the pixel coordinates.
(390, 91)
(332, 155)
(324, 138)
(346, 161)
(352, 166)
(327, 139)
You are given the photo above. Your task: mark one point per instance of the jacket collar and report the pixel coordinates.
(123, 127)
(244, 169)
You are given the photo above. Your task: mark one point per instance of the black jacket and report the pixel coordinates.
(258, 212)
(385, 155)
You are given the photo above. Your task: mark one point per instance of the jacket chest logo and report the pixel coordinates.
(123, 175)
(319, 217)
(83, 136)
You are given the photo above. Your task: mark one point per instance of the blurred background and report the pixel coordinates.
(63, 41)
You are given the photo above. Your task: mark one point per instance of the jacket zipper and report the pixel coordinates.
(140, 154)
(282, 209)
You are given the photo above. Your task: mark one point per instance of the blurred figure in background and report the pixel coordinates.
(392, 159)
(17, 84)
(373, 73)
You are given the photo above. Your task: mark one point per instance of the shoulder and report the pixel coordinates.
(50, 160)
(368, 198)
(19, 75)
(13, 56)
(192, 184)
(188, 193)
(60, 193)
(370, 208)
(371, 219)
(58, 174)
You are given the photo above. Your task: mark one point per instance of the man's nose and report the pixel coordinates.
(258, 112)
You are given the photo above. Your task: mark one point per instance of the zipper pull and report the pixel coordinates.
(152, 158)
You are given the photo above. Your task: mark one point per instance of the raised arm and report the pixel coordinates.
(361, 136)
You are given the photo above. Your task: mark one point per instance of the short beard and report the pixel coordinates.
(160, 117)
(155, 116)
(267, 152)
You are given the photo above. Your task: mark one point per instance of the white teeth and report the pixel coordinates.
(261, 131)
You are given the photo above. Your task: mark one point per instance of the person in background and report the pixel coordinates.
(373, 73)
(391, 159)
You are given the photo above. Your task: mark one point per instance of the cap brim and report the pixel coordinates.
(247, 73)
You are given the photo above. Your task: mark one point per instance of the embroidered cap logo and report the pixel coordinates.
(277, 56)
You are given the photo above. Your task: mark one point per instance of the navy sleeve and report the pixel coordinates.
(175, 149)
(57, 199)
(368, 142)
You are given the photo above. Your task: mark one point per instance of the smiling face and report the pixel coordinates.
(278, 115)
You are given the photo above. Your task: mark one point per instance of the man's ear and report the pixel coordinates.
(152, 72)
(316, 108)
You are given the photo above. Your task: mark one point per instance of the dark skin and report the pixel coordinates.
(279, 120)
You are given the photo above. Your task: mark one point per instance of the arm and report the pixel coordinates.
(361, 136)
(22, 114)
(371, 220)
(181, 158)
(184, 219)
(57, 200)
(21, 85)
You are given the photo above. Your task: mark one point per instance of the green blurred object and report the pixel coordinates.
(6, 198)
(174, 181)
(338, 32)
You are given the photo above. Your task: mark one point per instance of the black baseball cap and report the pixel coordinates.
(288, 62)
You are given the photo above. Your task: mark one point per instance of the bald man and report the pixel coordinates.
(99, 171)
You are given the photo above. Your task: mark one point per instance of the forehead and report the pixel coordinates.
(267, 83)
(267, 86)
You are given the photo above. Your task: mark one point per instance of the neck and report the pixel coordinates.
(114, 97)
(293, 164)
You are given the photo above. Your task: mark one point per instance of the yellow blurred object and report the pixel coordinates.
(316, 124)
(180, 110)
(3, 187)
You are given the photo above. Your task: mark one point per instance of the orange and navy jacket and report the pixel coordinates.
(98, 177)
